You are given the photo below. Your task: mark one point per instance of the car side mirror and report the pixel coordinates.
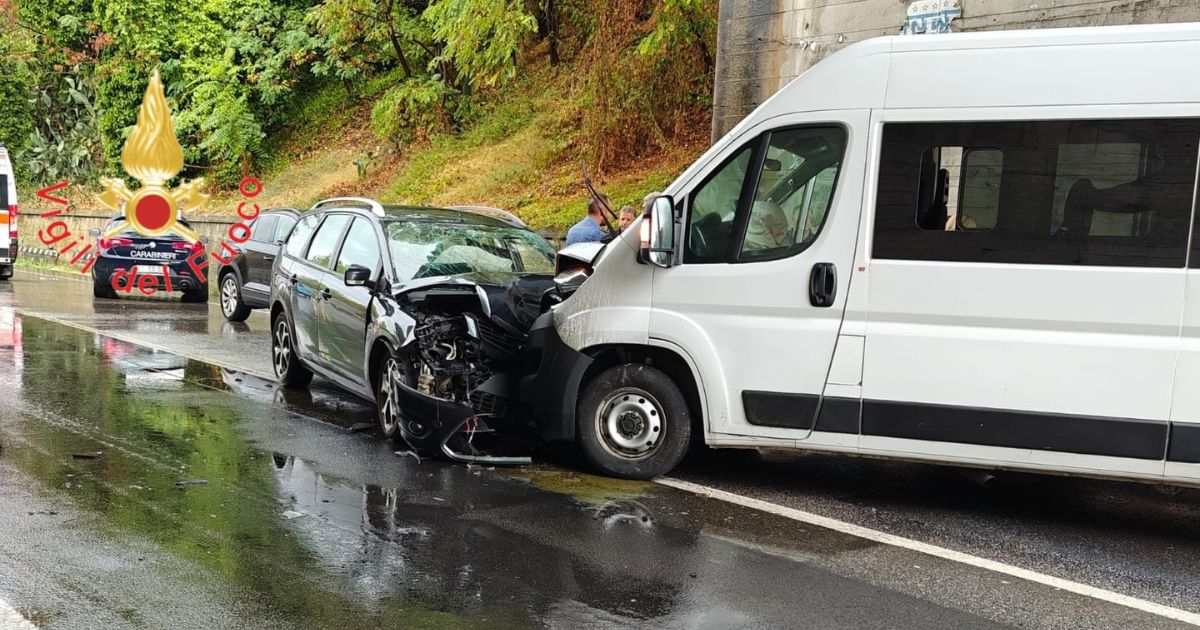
(94, 232)
(658, 233)
(358, 276)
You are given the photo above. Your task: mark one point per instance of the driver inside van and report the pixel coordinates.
(768, 228)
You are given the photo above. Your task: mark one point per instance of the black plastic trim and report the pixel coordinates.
(552, 391)
(1185, 444)
(1087, 435)
(777, 409)
(839, 415)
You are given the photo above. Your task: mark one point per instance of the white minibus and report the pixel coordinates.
(974, 249)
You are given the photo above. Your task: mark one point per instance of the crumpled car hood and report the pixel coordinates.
(514, 299)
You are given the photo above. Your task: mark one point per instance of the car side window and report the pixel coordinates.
(326, 239)
(263, 229)
(713, 208)
(283, 227)
(299, 237)
(360, 248)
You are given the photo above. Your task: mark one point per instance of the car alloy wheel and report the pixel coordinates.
(229, 295)
(389, 404)
(281, 348)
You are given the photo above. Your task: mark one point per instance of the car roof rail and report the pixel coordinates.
(372, 205)
(495, 213)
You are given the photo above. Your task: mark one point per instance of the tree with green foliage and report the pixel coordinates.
(480, 38)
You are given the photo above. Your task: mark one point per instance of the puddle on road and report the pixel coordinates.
(588, 489)
(363, 538)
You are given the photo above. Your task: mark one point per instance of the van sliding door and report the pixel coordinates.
(1026, 287)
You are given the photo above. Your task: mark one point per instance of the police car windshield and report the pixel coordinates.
(130, 233)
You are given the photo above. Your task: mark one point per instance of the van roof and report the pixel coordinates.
(1092, 69)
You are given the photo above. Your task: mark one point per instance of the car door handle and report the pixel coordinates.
(268, 257)
(293, 279)
(822, 285)
(325, 294)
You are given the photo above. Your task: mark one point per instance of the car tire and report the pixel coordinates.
(284, 360)
(197, 295)
(232, 306)
(387, 408)
(6, 272)
(103, 289)
(633, 422)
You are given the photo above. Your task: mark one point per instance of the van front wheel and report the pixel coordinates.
(633, 422)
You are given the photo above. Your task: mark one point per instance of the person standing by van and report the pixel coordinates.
(588, 229)
(626, 217)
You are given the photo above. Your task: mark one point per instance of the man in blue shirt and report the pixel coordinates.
(588, 230)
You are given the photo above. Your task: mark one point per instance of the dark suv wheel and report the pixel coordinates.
(287, 365)
(232, 306)
(387, 403)
(633, 422)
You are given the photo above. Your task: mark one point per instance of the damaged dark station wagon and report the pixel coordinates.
(423, 310)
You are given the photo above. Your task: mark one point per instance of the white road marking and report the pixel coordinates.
(934, 550)
(10, 619)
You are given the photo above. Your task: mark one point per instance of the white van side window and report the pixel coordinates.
(713, 208)
(793, 193)
(960, 188)
(1064, 192)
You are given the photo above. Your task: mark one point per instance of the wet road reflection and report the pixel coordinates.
(307, 524)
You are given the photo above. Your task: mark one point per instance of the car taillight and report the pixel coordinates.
(195, 247)
(12, 221)
(106, 243)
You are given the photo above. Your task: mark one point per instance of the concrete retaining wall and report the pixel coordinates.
(763, 44)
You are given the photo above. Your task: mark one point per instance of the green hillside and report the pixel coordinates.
(410, 101)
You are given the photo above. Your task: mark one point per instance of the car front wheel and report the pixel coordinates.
(387, 402)
(283, 355)
(232, 306)
(633, 422)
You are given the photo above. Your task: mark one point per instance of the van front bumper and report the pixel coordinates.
(551, 392)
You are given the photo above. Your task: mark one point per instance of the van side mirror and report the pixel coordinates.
(358, 276)
(658, 233)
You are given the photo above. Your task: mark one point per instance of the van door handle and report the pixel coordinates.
(293, 279)
(268, 257)
(822, 285)
(325, 294)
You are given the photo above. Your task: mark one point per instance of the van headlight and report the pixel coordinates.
(570, 280)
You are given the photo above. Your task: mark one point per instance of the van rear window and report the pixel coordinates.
(1108, 193)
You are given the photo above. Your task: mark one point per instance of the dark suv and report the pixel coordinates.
(423, 310)
(245, 281)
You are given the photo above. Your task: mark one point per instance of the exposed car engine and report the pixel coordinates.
(466, 346)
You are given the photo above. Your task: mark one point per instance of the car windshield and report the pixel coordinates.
(422, 249)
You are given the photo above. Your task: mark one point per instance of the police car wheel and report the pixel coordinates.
(102, 289)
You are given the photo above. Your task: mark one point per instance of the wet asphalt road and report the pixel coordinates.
(287, 519)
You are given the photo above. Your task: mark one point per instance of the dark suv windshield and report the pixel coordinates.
(421, 249)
